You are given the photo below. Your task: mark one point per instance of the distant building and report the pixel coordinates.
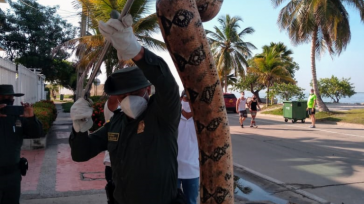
(2, 1)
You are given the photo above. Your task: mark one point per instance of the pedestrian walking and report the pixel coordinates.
(188, 164)
(141, 140)
(14, 127)
(253, 108)
(311, 104)
(241, 109)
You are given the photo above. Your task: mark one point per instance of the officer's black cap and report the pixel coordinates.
(8, 90)
(125, 81)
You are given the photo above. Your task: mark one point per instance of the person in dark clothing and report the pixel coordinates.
(13, 129)
(141, 140)
(253, 104)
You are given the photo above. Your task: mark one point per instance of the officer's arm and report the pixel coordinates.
(157, 72)
(32, 128)
(85, 146)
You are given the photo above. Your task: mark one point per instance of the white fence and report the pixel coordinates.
(23, 80)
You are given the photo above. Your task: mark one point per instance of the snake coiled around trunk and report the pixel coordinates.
(184, 35)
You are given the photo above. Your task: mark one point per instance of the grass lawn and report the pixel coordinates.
(352, 116)
(275, 106)
(67, 106)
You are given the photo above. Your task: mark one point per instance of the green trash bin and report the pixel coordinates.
(61, 97)
(295, 110)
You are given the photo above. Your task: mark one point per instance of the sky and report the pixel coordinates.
(263, 17)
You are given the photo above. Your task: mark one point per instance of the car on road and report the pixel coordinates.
(230, 102)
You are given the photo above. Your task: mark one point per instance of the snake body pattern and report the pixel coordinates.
(184, 35)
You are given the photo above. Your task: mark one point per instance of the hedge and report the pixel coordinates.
(46, 113)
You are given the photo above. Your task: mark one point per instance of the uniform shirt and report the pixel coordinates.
(310, 101)
(143, 151)
(107, 115)
(12, 132)
(188, 164)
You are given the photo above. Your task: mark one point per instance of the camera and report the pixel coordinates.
(12, 110)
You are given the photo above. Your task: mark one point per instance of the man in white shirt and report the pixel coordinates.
(188, 164)
(241, 109)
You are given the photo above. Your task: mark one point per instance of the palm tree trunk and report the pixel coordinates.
(321, 105)
(80, 84)
(267, 101)
(226, 83)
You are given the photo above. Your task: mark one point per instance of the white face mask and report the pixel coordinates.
(133, 106)
(186, 106)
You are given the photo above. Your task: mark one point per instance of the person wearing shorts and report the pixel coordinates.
(311, 103)
(253, 104)
(241, 109)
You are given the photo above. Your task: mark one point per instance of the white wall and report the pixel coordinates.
(27, 82)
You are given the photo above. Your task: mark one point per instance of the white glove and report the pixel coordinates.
(81, 112)
(121, 35)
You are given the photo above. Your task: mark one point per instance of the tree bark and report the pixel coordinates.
(226, 83)
(201, 80)
(256, 93)
(267, 100)
(321, 105)
(80, 76)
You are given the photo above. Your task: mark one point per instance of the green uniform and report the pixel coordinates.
(310, 101)
(12, 131)
(143, 151)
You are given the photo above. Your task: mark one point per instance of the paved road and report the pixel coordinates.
(327, 161)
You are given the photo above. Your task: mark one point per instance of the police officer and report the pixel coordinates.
(142, 140)
(13, 128)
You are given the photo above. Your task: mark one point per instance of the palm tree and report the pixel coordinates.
(325, 23)
(285, 55)
(229, 50)
(90, 46)
(270, 67)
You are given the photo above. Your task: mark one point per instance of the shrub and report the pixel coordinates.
(46, 113)
(96, 99)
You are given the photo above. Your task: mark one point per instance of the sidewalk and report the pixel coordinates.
(53, 178)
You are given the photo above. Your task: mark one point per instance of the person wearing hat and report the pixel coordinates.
(13, 128)
(142, 139)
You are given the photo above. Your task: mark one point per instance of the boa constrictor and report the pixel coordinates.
(184, 35)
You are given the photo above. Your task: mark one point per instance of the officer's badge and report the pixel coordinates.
(18, 123)
(112, 136)
(141, 127)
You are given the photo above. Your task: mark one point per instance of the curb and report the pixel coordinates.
(292, 188)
